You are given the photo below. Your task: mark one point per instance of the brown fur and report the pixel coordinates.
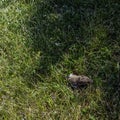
(78, 81)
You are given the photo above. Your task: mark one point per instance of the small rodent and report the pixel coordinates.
(78, 81)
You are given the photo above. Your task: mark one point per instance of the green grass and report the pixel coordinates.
(42, 42)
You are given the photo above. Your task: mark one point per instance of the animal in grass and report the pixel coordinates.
(79, 81)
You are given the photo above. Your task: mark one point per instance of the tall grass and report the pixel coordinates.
(43, 41)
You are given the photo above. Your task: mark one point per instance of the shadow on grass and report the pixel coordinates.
(56, 27)
(68, 27)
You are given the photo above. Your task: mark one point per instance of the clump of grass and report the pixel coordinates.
(42, 42)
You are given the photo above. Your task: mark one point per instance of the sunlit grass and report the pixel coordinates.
(42, 42)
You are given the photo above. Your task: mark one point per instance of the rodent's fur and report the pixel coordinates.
(79, 81)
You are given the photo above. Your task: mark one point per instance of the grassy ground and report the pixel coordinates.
(43, 41)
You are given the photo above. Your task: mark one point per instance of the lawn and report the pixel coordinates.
(42, 42)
